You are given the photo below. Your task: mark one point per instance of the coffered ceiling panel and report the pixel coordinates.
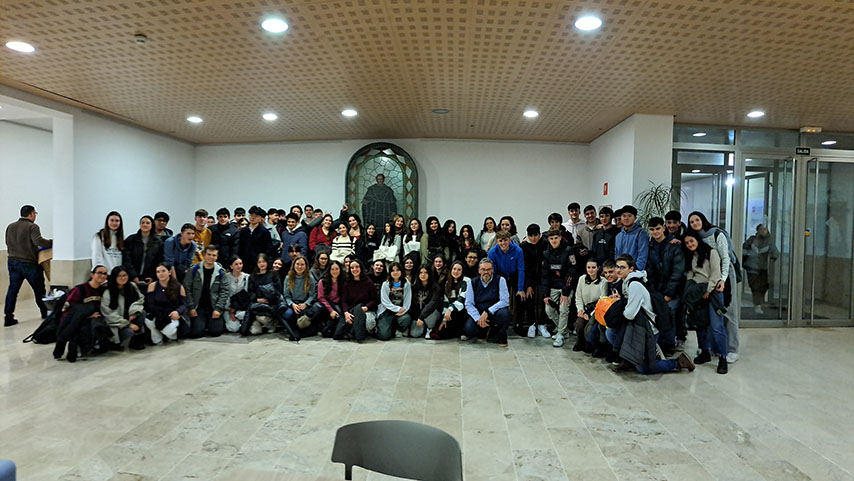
(704, 61)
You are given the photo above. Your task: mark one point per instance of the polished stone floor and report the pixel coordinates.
(268, 410)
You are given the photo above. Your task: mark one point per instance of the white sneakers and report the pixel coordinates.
(732, 357)
(544, 332)
(759, 311)
(558, 341)
(532, 331)
(427, 334)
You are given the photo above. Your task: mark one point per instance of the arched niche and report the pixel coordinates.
(373, 202)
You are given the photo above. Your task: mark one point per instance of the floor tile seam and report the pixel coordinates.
(504, 418)
(551, 437)
(721, 441)
(586, 427)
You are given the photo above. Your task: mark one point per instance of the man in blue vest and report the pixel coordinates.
(487, 301)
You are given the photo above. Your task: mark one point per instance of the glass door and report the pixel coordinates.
(828, 275)
(767, 244)
(705, 181)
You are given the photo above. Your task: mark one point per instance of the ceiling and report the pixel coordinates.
(704, 61)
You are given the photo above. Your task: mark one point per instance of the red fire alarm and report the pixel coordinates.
(605, 189)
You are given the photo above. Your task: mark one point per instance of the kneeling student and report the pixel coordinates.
(208, 294)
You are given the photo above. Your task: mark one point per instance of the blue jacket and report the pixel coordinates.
(634, 242)
(509, 263)
(297, 237)
(176, 256)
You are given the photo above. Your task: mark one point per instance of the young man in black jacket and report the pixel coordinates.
(605, 237)
(561, 265)
(532, 308)
(225, 235)
(255, 239)
(665, 268)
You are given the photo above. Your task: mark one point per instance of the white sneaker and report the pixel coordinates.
(427, 334)
(544, 332)
(532, 331)
(732, 357)
(759, 311)
(464, 338)
(558, 341)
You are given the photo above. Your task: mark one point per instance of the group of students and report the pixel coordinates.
(304, 273)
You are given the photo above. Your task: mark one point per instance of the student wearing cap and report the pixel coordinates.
(632, 239)
(255, 238)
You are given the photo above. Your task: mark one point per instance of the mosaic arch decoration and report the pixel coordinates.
(375, 202)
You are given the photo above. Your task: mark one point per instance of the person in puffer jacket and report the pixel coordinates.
(633, 239)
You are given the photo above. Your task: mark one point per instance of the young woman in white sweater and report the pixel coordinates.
(109, 242)
(590, 289)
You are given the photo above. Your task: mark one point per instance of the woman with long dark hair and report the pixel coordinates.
(320, 266)
(719, 240)
(395, 300)
(416, 240)
(487, 235)
(123, 309)
(358, 302)
(439, 270)
(449, 230)
(109, 242)
(265, 296)
(704, 270)
(389, 248)
(322, 234)
(329, 295)
(454, 313)
(426, 306)
(369, 243)
(143, 251)
(437, 240)
(166, 307)
(466, 242)
(238, 294)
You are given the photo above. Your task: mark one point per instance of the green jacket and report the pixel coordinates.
(193, 284)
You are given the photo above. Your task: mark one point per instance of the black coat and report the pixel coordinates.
(255, 242)
(561, 267)
(666, 269)
(533, 254)
(604, 243)
(227, 239)
(133, 254)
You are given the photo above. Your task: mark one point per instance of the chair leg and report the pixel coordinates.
(348, 472)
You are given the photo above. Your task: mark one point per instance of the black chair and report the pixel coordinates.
(399, 448)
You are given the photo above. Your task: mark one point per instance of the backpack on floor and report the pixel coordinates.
(46, 332)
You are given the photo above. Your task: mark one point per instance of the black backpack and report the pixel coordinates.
(46, 332)
(663, 320)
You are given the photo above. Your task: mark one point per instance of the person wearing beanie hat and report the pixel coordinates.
(632, 239)
(255, 238)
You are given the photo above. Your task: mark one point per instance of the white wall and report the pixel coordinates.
(611, 157)
(130, 170)
(26, 170)
(458, 179)
(630, 155)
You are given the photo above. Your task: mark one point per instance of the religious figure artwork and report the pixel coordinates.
(382, 181)
(379, 204)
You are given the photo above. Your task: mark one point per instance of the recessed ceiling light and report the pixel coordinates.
(22, 47)
(274, 25)
(440, 111)
(829, 142)
(756, 114)
(195, 119)
(270, 116)
(699, 134)
(349, 113)
(588, 23)
(531, 114)
(695, 171)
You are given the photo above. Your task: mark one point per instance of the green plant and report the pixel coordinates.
(656, 201)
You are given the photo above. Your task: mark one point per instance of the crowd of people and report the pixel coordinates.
(633, 292)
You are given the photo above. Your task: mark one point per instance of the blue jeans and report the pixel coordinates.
(499, 321)
(661, 365)
(714, 337)
(18, 272)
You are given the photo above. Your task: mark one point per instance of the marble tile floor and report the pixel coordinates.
(268, 410)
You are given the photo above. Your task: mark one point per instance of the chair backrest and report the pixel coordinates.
(399, 448)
